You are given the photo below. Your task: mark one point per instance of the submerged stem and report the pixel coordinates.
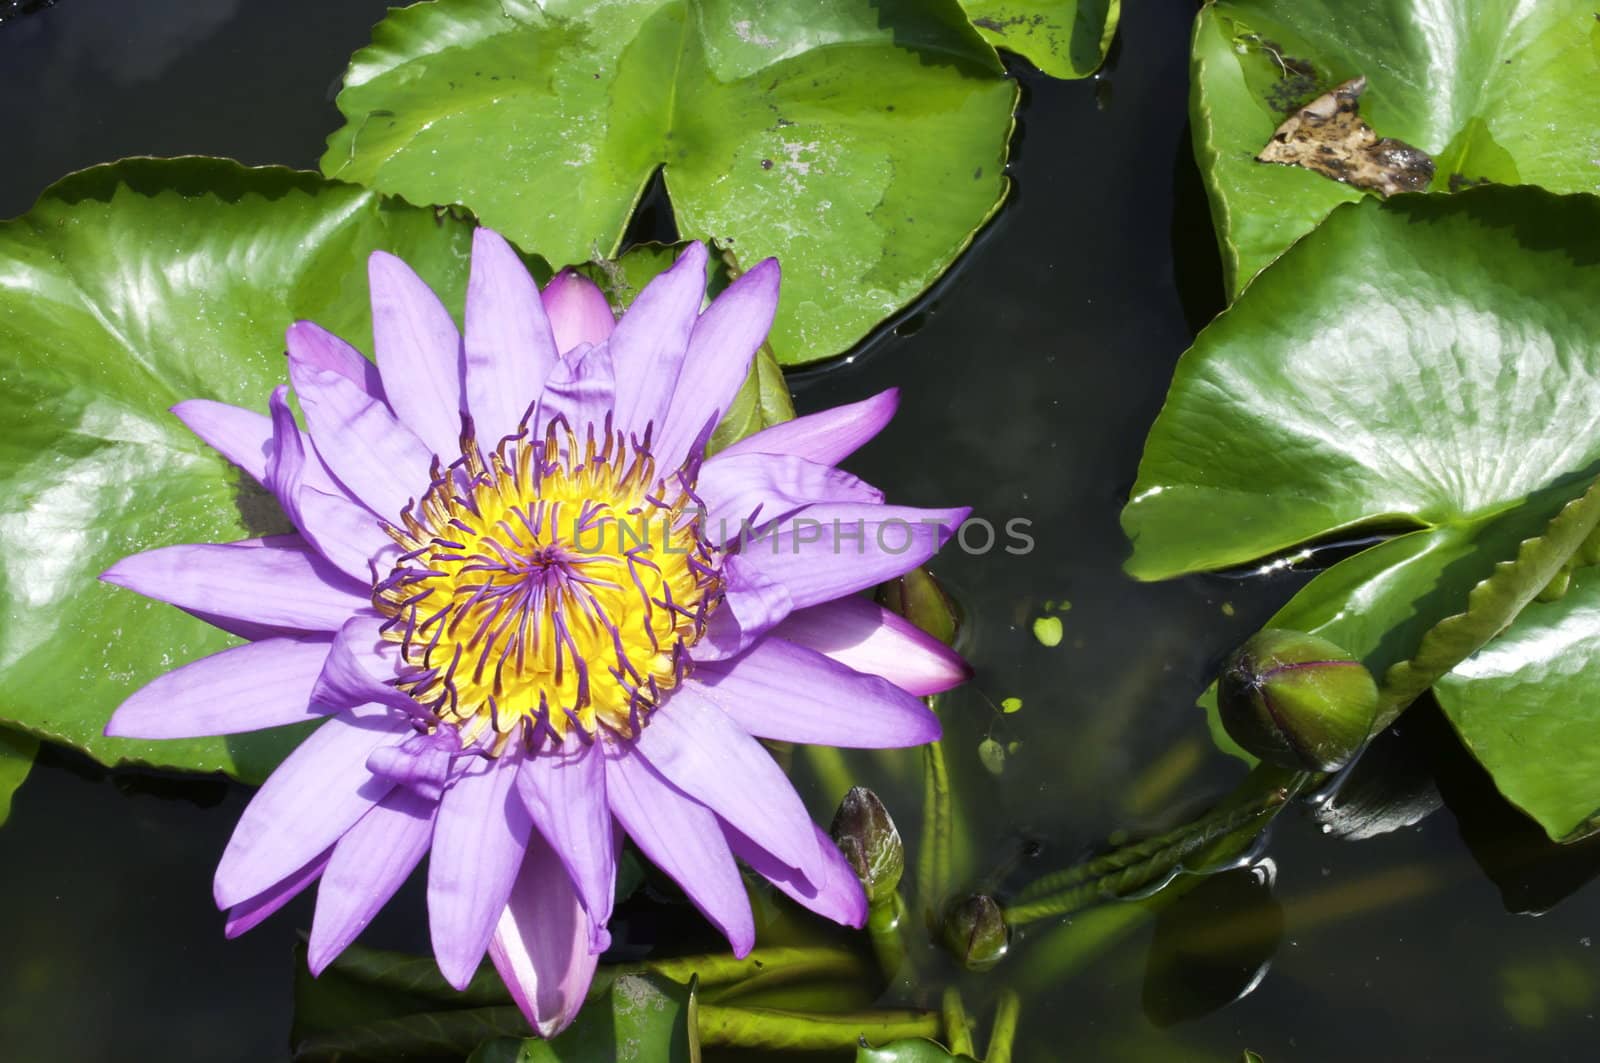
(886, 926)
(933, 855)
(718, 969)
(1008, 1006)
(957, 1027)
(770, 1028)
(1135, 866)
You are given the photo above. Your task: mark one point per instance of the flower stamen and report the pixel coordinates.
(562, 583)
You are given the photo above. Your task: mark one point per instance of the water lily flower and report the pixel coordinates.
(535, 617)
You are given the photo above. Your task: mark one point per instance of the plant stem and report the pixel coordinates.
(1135, 866)
(933, 855)
(1008, 1006)
(886, 926)
(957, 1027)
(769, 1028)
(716, 969)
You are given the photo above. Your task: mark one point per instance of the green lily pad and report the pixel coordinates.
(125, 290)
(1063, 38)
(1499, 92)
(1528, 707)
(862, 142)
(909, 1050)
(16, 759)
(1425, 367)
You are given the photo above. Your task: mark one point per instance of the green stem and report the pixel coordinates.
(769, 1028)
(886, 926)
(957, 1027)
(933, 855)
(717, 969)
(1007, 1008)
(1134, 866)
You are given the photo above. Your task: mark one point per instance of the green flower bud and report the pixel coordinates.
(1297, 700)
(870, 843)
(919, 598)
(975, 932)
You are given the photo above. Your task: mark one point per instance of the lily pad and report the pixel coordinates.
(1528, 707)
(16, 758)
(909, 1050)
(862, 142)
(1495, 93)
(1426, 367)
(1063, 38)
(125, 290)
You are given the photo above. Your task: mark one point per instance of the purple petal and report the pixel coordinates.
(565, 793)
(359, 666)
(578, 311)
(276, 582)
(377, 459)
(749, 490)
(700, 750)
(827, 437)
(581, 389)
(541, 943)
(724, 341)
(313, 797)
(684, 839)
(781, 691)
(345, 532)
(315, 346)
(509, 347)
(869, 638)
(244, 438)
(752, 605)
(651, 340)
(423, 763)
(828, 887)
(371, 861)
(249, 914)
(835, 549)
(246, 688)
(419, 354)
(478, 845)
(286, 456)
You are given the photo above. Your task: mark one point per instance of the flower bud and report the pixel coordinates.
(975, 932)
(870, 843)
(1297, 700)
(919, 598)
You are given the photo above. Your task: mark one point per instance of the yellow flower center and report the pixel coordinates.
(552, 587)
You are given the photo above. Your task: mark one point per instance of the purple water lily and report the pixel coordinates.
(535, 617)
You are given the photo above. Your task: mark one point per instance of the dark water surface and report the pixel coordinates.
(1029, 380)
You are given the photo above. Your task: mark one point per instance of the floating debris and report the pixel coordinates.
(1328, 136)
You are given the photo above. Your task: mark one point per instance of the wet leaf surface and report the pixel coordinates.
(127, 289)
(862, 143)
(1441, 381)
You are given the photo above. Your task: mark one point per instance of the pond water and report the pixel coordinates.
(1029, 379)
